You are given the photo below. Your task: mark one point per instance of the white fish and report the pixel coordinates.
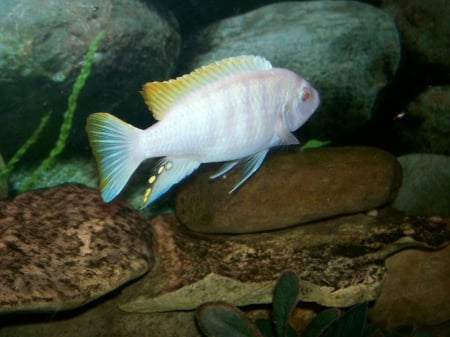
(232, 110)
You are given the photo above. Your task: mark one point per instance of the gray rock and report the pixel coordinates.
(426, 125)
(42, 45)
(348, 50)
(63, 247)
(424, 27)
(426, 185)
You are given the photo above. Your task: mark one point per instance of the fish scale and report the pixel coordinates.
(232, 110)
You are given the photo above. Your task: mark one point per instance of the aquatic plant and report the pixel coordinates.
(24, 148)
(66, 125)
(222, 319)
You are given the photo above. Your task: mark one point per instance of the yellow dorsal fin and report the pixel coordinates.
(159, 96)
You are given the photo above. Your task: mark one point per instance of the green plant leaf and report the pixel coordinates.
(351, 323)
(321, 322)
(267, 328)
(314, 143)
(220, 319)
(285, 297)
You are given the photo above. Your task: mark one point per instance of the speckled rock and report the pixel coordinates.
(63, 247)
(416, 289)
(340, 261)
(348, 50)
(290, 188)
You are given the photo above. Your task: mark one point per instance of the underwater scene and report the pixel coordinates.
(188, 168)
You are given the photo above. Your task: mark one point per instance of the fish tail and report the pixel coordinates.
(115, 145)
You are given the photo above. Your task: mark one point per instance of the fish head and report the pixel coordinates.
(302, 102)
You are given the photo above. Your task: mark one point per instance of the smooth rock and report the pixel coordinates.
(63, 247)
(339, 261)
(42, 46)
(290, 188)
(348, 50)
(416, 290)
(426, 185)
(424, 28)
(426, 124)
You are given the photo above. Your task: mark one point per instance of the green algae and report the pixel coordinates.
(66, 125)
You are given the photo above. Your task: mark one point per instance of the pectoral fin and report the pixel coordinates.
(251, 165)
(167, 172)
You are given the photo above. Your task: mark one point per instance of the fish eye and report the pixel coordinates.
(306, 94)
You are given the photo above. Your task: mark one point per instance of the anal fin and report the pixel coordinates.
(168, 172)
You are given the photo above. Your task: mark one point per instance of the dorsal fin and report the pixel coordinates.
(159, 96)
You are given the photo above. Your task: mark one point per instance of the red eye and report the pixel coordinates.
(306, 95)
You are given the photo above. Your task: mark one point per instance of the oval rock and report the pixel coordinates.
(291, 188)
(63, 247)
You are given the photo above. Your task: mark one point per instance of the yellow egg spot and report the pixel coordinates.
(147, 194)
(169, 165)
(160, 169)
(152, 179)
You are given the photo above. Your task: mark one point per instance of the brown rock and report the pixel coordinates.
(340, 262)
(63, 247)
(416, 289)
(290, 188)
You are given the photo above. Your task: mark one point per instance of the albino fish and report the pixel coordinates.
(231, 111)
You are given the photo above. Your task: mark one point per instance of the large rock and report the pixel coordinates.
(42, 45)
(63, 247)
(339, 261)
(291, 187)
(426, 123)
(348, 50)
(424, 27)
(426, 185)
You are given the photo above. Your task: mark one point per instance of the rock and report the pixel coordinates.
(42, 45)
(426, 125)
(426, 185)
(348, 50)
(339, 262)
(290, 188)
(63, 247)
(424, 27)
(416, 289)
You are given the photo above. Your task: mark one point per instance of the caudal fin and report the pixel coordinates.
(115, 145)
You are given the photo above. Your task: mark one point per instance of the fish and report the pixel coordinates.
(232, 111)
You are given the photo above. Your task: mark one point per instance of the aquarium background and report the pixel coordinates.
(382, 69)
